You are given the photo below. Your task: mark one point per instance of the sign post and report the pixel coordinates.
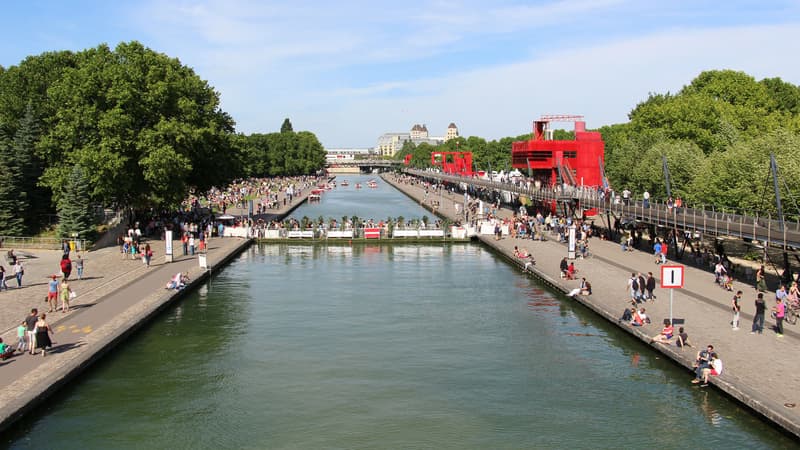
(571, 242)
(671, 278)
(168, 246)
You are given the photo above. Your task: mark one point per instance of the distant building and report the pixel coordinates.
(391, 143)
(333, 155)
(419, 132)
(452, 132)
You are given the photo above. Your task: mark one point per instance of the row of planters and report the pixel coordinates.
(390, 224)
(356, 227)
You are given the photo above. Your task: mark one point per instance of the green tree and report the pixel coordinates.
(147, 126)
(286, 126)
(36, 198)
(12, 199)
(74, 207)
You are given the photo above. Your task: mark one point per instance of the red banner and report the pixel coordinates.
(372, 233)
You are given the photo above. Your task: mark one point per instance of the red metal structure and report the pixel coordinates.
(577, 162)
(453, 163)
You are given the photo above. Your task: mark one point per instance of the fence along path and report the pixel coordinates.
(710, 221)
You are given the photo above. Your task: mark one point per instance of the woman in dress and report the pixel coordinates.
(65, 291)
(43, 331)
(761, 284)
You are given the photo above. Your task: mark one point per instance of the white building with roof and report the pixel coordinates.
(391, 143)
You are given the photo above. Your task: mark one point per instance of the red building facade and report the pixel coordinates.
(577, 162)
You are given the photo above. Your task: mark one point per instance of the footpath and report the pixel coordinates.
(116, 296)
(761, 371)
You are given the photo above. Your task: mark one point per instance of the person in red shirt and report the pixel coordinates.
(66, 266)
(666, 333)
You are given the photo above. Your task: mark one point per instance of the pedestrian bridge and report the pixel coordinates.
(706, 219)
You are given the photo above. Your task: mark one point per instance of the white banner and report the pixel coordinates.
(431, 233)
(405, 233)
(341, 234)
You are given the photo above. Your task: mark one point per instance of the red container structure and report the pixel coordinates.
(453, 163)
(578, 162)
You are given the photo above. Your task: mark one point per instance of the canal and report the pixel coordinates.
(394, 346)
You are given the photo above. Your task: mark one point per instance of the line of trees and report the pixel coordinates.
(717, 134)
(126, 127)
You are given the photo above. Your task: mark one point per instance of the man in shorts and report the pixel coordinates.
(52, 294)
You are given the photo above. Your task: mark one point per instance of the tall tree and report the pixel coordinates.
(286, 127)
(36, 197)
(12, 199)
(75, 216)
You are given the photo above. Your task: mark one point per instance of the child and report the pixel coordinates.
(21, 329)
(5, 350)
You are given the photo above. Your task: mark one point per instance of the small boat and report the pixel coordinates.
(317, 192)
(345, 183)
(372, 184)
(314, 198)
(358, 185)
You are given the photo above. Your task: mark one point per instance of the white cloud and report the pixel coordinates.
(603, 82)
(333, 67)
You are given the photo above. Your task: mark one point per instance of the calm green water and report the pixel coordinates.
(405, 346)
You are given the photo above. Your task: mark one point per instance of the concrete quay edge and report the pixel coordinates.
(60, 369)
(732, 386)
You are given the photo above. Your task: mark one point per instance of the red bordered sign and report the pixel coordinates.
(671, 277)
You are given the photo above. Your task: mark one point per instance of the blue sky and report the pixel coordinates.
(351, 70)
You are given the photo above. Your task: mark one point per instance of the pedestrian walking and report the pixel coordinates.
(30, 329)
(758, 318)
(736, 309)
(780, 310)
(43, 331)
(66, 295)
(52, 294)
(19, 271)
(651, 286)
(79, 267)
(3, 284)
(22, 329)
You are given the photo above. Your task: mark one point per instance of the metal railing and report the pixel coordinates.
(703, 218)
(22, 242)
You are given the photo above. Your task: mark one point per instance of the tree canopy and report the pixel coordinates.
(717, 134)
(145, 129)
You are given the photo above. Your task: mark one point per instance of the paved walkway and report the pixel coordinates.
(115, 297)
(762, 371)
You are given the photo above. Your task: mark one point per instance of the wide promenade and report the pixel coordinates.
(761, 371)
(115, 297)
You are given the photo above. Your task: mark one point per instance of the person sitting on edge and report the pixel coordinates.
(178, 281)
(702, 362)
(639, 318)
(530, 262)
(571, 271)
(666, 333)
(584, 289)
(714, 369)
(682, 340)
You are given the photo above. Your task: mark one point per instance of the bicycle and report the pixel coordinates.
(792, 312)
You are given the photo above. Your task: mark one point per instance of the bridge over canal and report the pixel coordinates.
(706, 219)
